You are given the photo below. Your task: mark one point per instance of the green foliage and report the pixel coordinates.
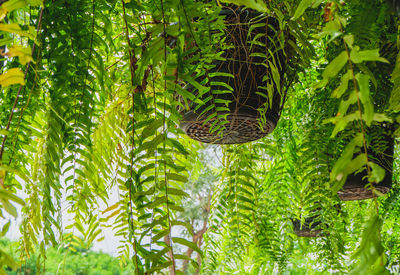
(92, 96)
(82, 261)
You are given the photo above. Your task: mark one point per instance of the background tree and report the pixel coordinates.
(80, 261)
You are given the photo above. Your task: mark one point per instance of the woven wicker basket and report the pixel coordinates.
(242, 122)
(380, 152)
(308, 229)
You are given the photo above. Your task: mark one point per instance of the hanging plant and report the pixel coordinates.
(358, 185)
(310, 227)
(245, 85)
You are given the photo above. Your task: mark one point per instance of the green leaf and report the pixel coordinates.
(188, 244)
(228, 90)
(185, 257)
(10, 5)
(9, 207)
(177, 145)
(151, 145)
(35, 2)
(15, 28)
(344, 84)
(275, 76)
(194, 83)
(159, 267)
(152, 128)
(301, 8)
(347, 168)
(253, 4)
(176, 208)
(341, 122)
(159, 254)
(338, 169)
(187, 225)
(11, 77)
(8, 195)
(381, 117)
(333, 69)
(371, 253)
(6, 41)
(345, 104)
(369, 55)
(363, 83)
(176, 177)
(331, 28)
(157, 202)
(177, 192)
(24, 54)
(4, 230)
(377, 172)
(5, 258)
(355, 164)
(394, 102)
(187, 95)
(160, 235)
(113, 214)
(349, 39)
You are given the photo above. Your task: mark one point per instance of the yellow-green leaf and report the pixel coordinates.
(36, 2)
(8, 259)
(11, 5)
(333, 69)
(349, 39)
(113, 214)
(177, 192)
(377, 172)
(345, 104)
(110, 208)
(395, 94)
(358, 56)
(24, 54)
(9, 207)
(11, 77)
(341, 164)
(382, 117)
(301, 8)
(5, 228)
(253, 4)
(363, 83)
(344, 84)
(341, 122)
(331, 28)
(188, 244)
(15, 28)
(8, 195)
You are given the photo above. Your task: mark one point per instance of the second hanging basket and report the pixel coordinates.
(380, 151)
(310, 228)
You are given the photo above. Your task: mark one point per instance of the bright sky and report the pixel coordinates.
(109, 244)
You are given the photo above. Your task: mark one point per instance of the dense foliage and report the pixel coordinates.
(93, 92)
(80, 261)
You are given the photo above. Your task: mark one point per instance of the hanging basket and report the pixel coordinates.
(253, 110)
(308, 229)
(380, 151)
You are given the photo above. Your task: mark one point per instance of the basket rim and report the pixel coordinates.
(361, 193)
(191, 119)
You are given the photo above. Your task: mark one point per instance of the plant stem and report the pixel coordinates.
(131, 67)
(361, 119)
(173, 270)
